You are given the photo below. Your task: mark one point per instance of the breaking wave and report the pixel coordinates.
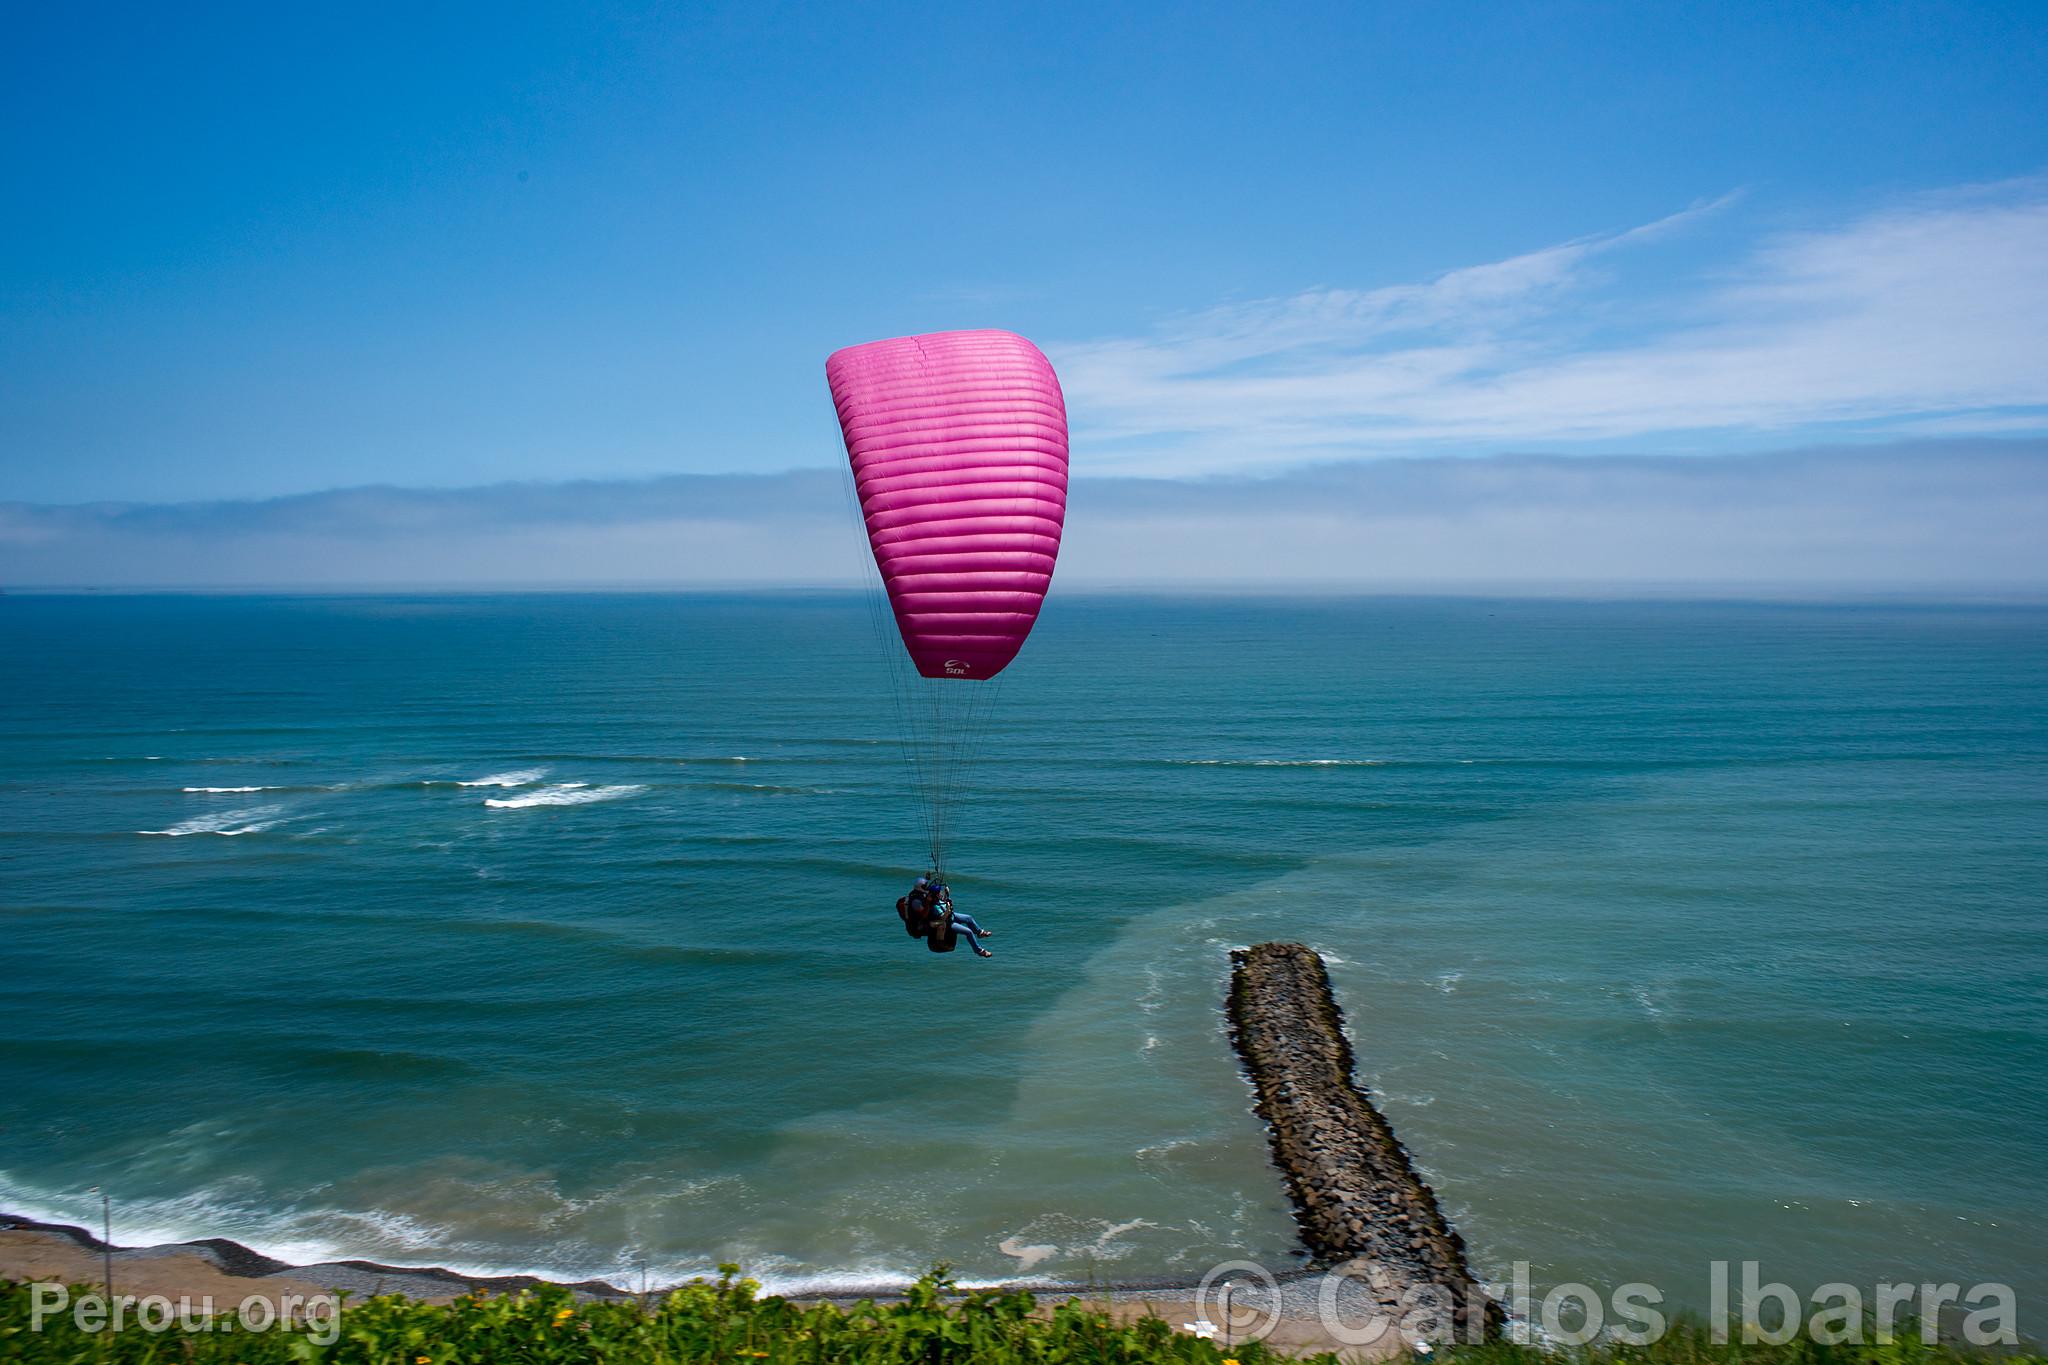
(563, 794)
(227, 823)
(518, 778)
(1278, 762)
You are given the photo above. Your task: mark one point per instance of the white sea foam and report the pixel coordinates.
(218, 790)
(1153, 998)
(1166, 1148)
(312, 1234)
(518, 778)
(797, 1283)
(301, 1236)
(1318, 762)
(253, 820)
(1028, 1254)
(1278, 762)
(1116, 1230)
(563, 794)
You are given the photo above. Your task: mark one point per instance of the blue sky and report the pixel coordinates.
(256, 251)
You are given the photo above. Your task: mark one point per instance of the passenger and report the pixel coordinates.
(961, 922)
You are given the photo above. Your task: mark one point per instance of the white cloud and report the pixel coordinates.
(1928, 315)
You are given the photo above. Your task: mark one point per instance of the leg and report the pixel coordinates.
(973, 939)
(967, 922)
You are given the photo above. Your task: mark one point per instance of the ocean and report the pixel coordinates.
(557, 932)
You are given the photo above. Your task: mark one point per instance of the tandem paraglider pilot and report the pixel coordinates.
(928, 913)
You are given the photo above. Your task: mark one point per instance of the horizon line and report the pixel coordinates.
(1781, 592)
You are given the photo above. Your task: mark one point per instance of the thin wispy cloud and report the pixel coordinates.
(1929, 315)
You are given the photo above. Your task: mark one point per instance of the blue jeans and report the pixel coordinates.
(965, 924)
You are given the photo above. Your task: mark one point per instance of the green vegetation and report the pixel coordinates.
(727, 1321)
(723, 1321)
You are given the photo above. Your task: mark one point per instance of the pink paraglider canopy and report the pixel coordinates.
(959, 448)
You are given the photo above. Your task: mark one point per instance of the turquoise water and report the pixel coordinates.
(1667, 931)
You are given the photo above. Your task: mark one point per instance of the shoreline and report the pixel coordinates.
(1291, 1318)
(236, 1260)
(1379, 1245)
(231, 1259)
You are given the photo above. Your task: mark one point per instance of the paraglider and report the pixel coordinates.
(957, 447)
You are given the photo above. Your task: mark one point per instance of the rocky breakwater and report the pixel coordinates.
(1357, 1197)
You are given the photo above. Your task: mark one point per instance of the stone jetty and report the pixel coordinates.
(1357, 1197)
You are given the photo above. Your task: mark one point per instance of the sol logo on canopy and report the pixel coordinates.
(956, 668)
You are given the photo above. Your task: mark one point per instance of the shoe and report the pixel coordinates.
(982, 952)
(988, 933)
